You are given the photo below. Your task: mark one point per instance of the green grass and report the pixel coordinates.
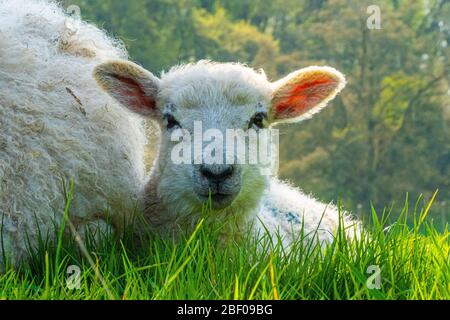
(413, 259)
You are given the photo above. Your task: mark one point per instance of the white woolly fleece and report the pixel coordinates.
(55, 120)
(288, 212)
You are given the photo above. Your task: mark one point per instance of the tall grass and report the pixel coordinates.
(413, 262)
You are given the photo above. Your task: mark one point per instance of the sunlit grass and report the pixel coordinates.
(413, 260)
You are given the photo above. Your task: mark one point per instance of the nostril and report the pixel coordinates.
(211, 174)
(227, 172)
(205, 171)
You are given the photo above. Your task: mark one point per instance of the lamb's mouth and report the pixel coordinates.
(219, 200)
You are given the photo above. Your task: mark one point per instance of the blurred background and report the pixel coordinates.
(387, 135)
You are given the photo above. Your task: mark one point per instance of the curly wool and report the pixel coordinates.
(56, 122)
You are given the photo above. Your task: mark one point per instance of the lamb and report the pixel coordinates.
(220, 97)
(56, 122)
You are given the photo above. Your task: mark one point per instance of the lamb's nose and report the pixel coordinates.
(216, 174)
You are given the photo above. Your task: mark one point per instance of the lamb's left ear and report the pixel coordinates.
(131, 85)
(303, 93)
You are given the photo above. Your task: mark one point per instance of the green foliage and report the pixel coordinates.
(385, 135)
(234, 41)
(389, 110)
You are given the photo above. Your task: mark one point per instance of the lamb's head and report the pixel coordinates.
(199, 107)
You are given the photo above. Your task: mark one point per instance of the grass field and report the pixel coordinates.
(409, 254)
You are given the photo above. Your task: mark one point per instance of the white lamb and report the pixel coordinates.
(56, 122)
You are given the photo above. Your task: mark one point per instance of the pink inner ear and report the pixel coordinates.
(135, 95)
(304, 96)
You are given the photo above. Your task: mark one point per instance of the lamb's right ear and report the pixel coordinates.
(131, 85)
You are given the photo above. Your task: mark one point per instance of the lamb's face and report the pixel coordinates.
(201, 108)
(206, 105)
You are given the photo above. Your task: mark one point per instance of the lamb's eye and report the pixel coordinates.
(171, 122)
(258, 120)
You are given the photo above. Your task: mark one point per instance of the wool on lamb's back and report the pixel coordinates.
(55, 121)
